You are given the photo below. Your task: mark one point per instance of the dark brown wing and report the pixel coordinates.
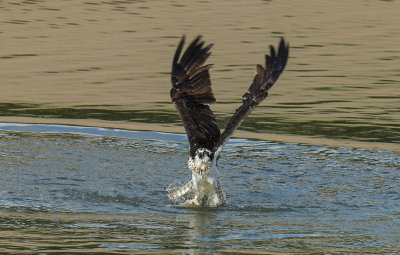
(258, 91)
(191, 93)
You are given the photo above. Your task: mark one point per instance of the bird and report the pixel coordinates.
(192, 95)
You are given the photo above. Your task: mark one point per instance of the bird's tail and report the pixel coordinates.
(181, 191)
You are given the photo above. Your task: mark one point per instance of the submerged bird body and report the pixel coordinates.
(204, 188)
(191, 93)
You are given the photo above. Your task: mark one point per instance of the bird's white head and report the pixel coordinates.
(202, 161)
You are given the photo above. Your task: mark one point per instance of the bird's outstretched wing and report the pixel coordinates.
(191, 93)
(258, 91)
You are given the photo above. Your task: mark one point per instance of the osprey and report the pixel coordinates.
(191, 94)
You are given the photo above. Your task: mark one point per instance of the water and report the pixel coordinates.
(76, 189)
(110, 60)
(80, 189)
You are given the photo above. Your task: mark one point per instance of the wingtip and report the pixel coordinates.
(179, 49)
(183, 39)
(284, 46)
(208, 47)
(283, 52)
(197, 40)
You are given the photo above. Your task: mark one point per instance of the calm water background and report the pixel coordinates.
(109, 60)
(106, 63)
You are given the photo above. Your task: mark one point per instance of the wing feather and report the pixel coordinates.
(191, 93)
(265, 78)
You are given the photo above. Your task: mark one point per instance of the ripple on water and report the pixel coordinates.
(108, 187)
